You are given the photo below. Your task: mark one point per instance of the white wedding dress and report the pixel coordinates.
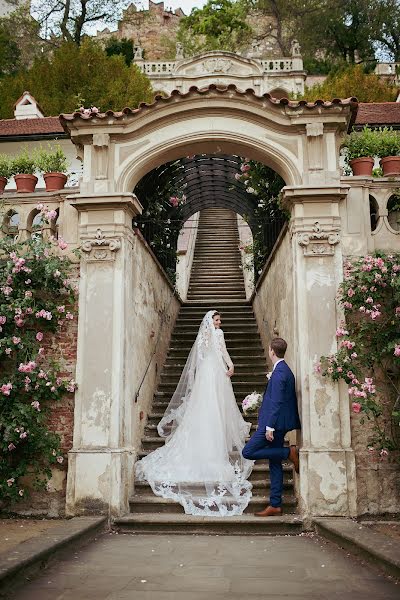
(201, 464)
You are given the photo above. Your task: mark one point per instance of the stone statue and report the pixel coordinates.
(295, 49)
(179, 51)
(138, 53)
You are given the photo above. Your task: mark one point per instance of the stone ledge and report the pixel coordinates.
(31, 556)
(377, 548)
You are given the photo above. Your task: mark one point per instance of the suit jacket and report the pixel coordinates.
(279, 406)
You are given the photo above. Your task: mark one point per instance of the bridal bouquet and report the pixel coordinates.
(251, 403)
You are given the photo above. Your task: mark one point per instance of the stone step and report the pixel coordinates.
(152, 503)
(252, 353)
(170, 524)
(261, 487)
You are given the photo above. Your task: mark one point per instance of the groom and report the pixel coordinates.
(278, 414)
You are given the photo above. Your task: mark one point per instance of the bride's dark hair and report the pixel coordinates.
(216, 313)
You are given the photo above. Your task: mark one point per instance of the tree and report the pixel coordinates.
(20, 41)
(69, 20)
(388, 31)
(123, 47)
(77, 74)
(219, 25)
(352, 81)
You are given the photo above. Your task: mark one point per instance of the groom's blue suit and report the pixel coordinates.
(279, 412)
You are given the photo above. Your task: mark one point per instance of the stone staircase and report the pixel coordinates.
(216, 282)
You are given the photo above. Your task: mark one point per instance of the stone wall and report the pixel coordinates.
(153, 316)
(51, 502)
(273, 300)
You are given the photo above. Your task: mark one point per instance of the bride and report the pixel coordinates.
(201, 464)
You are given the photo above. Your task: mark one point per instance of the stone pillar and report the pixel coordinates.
(327, 483)
(101, 460)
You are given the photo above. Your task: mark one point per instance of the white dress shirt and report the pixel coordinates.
(273, 369)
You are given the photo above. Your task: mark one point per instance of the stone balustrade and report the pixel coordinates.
(276, 65)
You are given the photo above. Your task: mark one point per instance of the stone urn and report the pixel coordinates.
(390, 166)
(54, 181)
(362, 166)
(25, 183)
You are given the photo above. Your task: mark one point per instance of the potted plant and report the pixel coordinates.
(360, 151)
(23, 167)
(388, 151)
(5, 171)
(53, 164)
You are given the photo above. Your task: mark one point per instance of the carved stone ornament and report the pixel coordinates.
(217, 65)
(319, 242)
(101, 248)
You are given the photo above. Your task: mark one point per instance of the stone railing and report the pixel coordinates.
(156, 68)
(20, 216)
(275, 65)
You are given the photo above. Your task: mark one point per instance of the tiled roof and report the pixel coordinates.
(24, 127)
(219, 89)
(378, 113)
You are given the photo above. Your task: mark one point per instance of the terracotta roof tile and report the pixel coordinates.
(378, 113)
(219, 89)
(24, 127)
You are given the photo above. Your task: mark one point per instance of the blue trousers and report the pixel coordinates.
(258, 447)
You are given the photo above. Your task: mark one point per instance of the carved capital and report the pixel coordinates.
(101, 140)
(319, 241)
(314, 129)
(100, 247)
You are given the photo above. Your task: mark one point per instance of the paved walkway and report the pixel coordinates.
(145, 567)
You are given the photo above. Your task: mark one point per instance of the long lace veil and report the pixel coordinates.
(206, 342)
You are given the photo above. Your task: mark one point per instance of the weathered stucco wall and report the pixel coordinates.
(153, 316)
(273, 300)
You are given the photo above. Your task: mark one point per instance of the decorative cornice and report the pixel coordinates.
(79, 119)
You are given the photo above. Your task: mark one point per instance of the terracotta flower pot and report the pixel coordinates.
(3, 183)
(390, 165)
(25, 183)
(55, 181)
(362, 166)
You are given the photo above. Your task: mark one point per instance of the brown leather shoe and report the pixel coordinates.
(270, 511)
(294, 458)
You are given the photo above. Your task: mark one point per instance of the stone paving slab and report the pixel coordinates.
(381, 549)
(185, 567)
(27, 558)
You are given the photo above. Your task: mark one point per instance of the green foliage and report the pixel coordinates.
(388, 142)
(359, 144)
(5, 166)
(349, 82)
(24, 163)
(72, 72)
(51, 160)
(219, 25)
(35, 293)
(122, 47)
(264, 186)
(368, 356)
(9, 52)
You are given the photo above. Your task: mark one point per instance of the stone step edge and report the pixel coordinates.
(32, 556)
(380, 550)
(150, 499)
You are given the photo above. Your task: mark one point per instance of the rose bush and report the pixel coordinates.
(368, 356)
(36, 296)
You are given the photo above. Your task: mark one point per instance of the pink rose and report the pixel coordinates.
(356, 407)
(397, 350)
(11, 447)
(36, 405)
(6, 388)
(350, 293)
(39, 336)
(60, 459)
(10, 481)
(3, 320)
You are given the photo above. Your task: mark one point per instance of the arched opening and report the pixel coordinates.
(393, 208)
(172, 193)
(373, 212)
(10, 226)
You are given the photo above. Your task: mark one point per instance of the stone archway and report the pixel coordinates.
(298, 140)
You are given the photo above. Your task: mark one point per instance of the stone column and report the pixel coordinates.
(100, 467)
(327, 466)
